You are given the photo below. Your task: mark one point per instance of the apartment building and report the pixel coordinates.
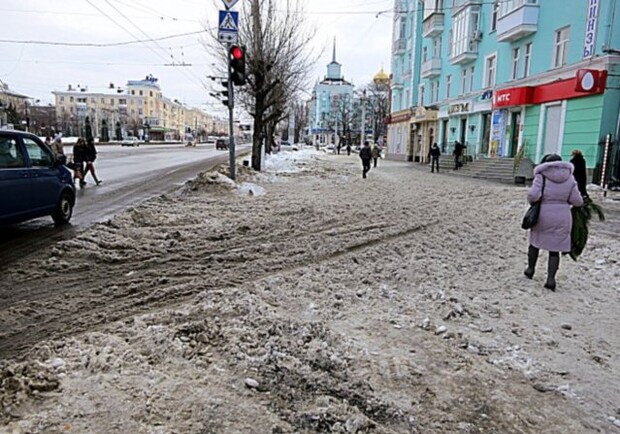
(503, 75)
(138, 109)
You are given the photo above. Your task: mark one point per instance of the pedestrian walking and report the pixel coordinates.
(91, 156)
(348, 148)
(57, 146)
(579, 172)
(376, 154)
(365, 155)
(556, 189)
(435, 153)
(458, 152)
(80, 153)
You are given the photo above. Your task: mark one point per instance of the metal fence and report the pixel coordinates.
(607, 170)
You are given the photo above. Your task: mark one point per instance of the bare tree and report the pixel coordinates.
(379, 104)
(278, 63)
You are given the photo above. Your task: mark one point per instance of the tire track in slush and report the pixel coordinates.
(90, 316)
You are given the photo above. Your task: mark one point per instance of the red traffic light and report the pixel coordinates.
(236, 53)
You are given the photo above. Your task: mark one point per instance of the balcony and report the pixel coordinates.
(468, 55)
(431, 68)
(518, 23)
(462, 4)
(399, 46)
(433, 25)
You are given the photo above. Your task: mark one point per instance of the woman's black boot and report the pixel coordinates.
(552, 268)
(532, 257)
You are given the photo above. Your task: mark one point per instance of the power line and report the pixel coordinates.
(97, 45)
(156, 43)
(85, 14)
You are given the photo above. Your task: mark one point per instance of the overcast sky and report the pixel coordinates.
(363, 43)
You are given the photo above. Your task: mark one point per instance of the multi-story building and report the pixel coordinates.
(406, 45)
(140, 109)
(13, 105)
(331, 105)
(511, 75)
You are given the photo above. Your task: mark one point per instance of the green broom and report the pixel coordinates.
(581, 219)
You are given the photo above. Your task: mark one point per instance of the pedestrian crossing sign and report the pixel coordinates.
(229, 21)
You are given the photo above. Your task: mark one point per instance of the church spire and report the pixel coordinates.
(334, 55)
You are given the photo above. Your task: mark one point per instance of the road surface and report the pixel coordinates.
(130, 175)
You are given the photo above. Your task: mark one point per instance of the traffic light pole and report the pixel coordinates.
(231, 106)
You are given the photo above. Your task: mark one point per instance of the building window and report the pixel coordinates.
(450, 42)
(515, 63)
(70, 99)
(424, 54)
(471, 79)
(421, 95)
(140, 92)
(407, 98)
(62, 99)
(150, 93)
(435, 94)
(560, 47)
(527, 59)
(437, 47)
(489, 70)
(93, 100)
(464, 25)
(448, 85)
(463, 81)
(494, 16)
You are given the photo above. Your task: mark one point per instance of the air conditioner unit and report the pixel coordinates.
(476, 35)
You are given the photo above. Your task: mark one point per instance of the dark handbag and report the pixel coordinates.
(530, 219)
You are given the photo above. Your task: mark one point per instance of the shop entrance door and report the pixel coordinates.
(515, 122)
(486, 134)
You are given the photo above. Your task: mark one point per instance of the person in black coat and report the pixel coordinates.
(580, 173)
(435, 152)
(365, 155)
(80, 156)
(91, 156)
(458, 152)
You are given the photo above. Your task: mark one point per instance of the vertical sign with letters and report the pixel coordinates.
(589, 46)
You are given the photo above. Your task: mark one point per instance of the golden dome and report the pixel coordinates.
(381, 77)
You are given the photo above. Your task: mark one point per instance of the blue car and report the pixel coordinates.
(33, 181)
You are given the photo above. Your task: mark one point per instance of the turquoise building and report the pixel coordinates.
(332, 100)
(516, 75)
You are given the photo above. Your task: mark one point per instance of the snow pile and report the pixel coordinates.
(288, 162)
(250, 189)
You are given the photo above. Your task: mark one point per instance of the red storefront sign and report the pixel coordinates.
(513, 96)
(586, 82)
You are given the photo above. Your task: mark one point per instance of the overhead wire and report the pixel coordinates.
(96, 45)
(102, 12)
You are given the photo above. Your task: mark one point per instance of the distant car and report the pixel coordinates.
(33, 181)
(130, 141)
(221, 144)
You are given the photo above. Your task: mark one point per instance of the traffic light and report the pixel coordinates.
(237, 64)
(225, 93)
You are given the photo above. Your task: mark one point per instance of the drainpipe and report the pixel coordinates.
(610, 28)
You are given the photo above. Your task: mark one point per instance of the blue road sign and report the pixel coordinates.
(229, 21)
(228, 27)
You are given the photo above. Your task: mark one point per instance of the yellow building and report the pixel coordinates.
(11, 101)
(140, 109)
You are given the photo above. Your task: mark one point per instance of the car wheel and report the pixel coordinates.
(64, 209)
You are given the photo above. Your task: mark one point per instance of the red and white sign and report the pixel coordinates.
(589, 80)
(586, 82)
(513, 96)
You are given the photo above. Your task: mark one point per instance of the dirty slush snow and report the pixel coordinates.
(305, 299)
